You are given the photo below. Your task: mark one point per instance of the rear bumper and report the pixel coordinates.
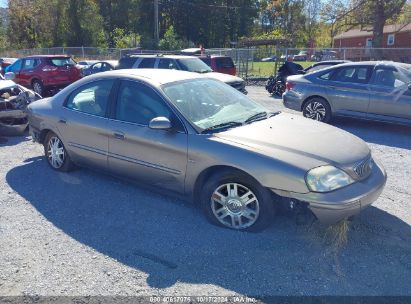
(292, 101)
(337, 205)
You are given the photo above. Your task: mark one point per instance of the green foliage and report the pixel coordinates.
(171, 41)
(123, 40)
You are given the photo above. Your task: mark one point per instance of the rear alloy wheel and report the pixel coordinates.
(38, 87)
(317, 109)
(56, 154)
(234, 200)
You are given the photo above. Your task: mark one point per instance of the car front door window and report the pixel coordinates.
(137, 103)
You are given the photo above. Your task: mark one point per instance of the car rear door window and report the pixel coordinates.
(138, 103)
(91, 98)
(166, 63)
(30, 63)
(353, 74)
(147, 63)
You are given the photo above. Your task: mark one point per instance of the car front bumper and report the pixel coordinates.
(334, 206)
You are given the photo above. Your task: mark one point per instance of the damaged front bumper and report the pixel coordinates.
(332, 207)
(13, 103)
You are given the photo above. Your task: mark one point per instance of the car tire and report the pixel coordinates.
(237, 210)
(318, 109)
(56, 154)
(38, 87)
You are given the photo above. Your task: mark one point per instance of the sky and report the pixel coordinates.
(3, 3)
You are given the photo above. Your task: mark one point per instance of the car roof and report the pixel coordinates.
(155, 77)
(47, 56)
(161, 56)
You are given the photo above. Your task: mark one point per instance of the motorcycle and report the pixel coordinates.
(275, 85)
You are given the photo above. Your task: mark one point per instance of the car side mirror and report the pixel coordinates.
(160, 123)
(9, 76)
(409, 86)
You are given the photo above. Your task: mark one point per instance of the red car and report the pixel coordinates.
(220, 64)
(5, 62)
(44, 72)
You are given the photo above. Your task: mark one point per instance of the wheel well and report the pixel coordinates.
(43, 135)
(35, 79)
(207, 173)
(312, 97)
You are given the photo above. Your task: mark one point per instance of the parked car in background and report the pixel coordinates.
(323, 64)
(179, 62)
(370, 90)
(44, 72)
(269, 59)
(324, 55)
(196, 136)
(86, 63)
(99, 66)
(4, 63)
(220, 64)
(301, 56)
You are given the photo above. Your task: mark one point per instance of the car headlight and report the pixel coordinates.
(327, 178)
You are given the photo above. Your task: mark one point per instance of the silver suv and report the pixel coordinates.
(179, 62)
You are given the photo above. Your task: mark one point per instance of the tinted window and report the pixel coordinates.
(106, 67)
(126, 62)
(30, 63)
(147, 63)
(91, 98)
(166, 63)
(139, 103)
(97, 66)
(62, 61)
(224, 62)
(207, 61)
(353, 74)
(317, 68)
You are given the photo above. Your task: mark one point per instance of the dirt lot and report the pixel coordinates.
(85, 233)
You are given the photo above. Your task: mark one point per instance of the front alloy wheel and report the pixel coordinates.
(233, 199)
(235, 206)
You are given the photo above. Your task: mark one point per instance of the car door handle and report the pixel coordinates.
(118, 135)
(62, 121)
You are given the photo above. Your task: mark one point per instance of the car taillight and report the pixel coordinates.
(49, 68)
(289, 85)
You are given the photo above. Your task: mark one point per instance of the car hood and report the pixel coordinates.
(6, 84)
(298, 141)
(223, 77)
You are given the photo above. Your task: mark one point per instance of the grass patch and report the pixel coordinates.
(267, 68)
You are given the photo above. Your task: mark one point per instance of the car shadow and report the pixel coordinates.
(13, 140)
(172, 242)
(376, 132)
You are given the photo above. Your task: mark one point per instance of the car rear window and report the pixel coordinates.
(62, 61)
(207, 61)
(224, 62)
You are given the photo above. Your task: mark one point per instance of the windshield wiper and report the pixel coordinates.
(224, 125)
(203, 71)
(260, 116)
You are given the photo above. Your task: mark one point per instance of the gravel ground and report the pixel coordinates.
(85, 233)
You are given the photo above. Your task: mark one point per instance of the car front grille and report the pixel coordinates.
(363, 168)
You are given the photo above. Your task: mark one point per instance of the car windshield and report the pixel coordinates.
(207, 103)
(194, 65)
(62, 61)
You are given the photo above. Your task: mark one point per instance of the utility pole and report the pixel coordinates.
(156, 32)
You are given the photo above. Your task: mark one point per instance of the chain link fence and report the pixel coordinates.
(251, 63)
